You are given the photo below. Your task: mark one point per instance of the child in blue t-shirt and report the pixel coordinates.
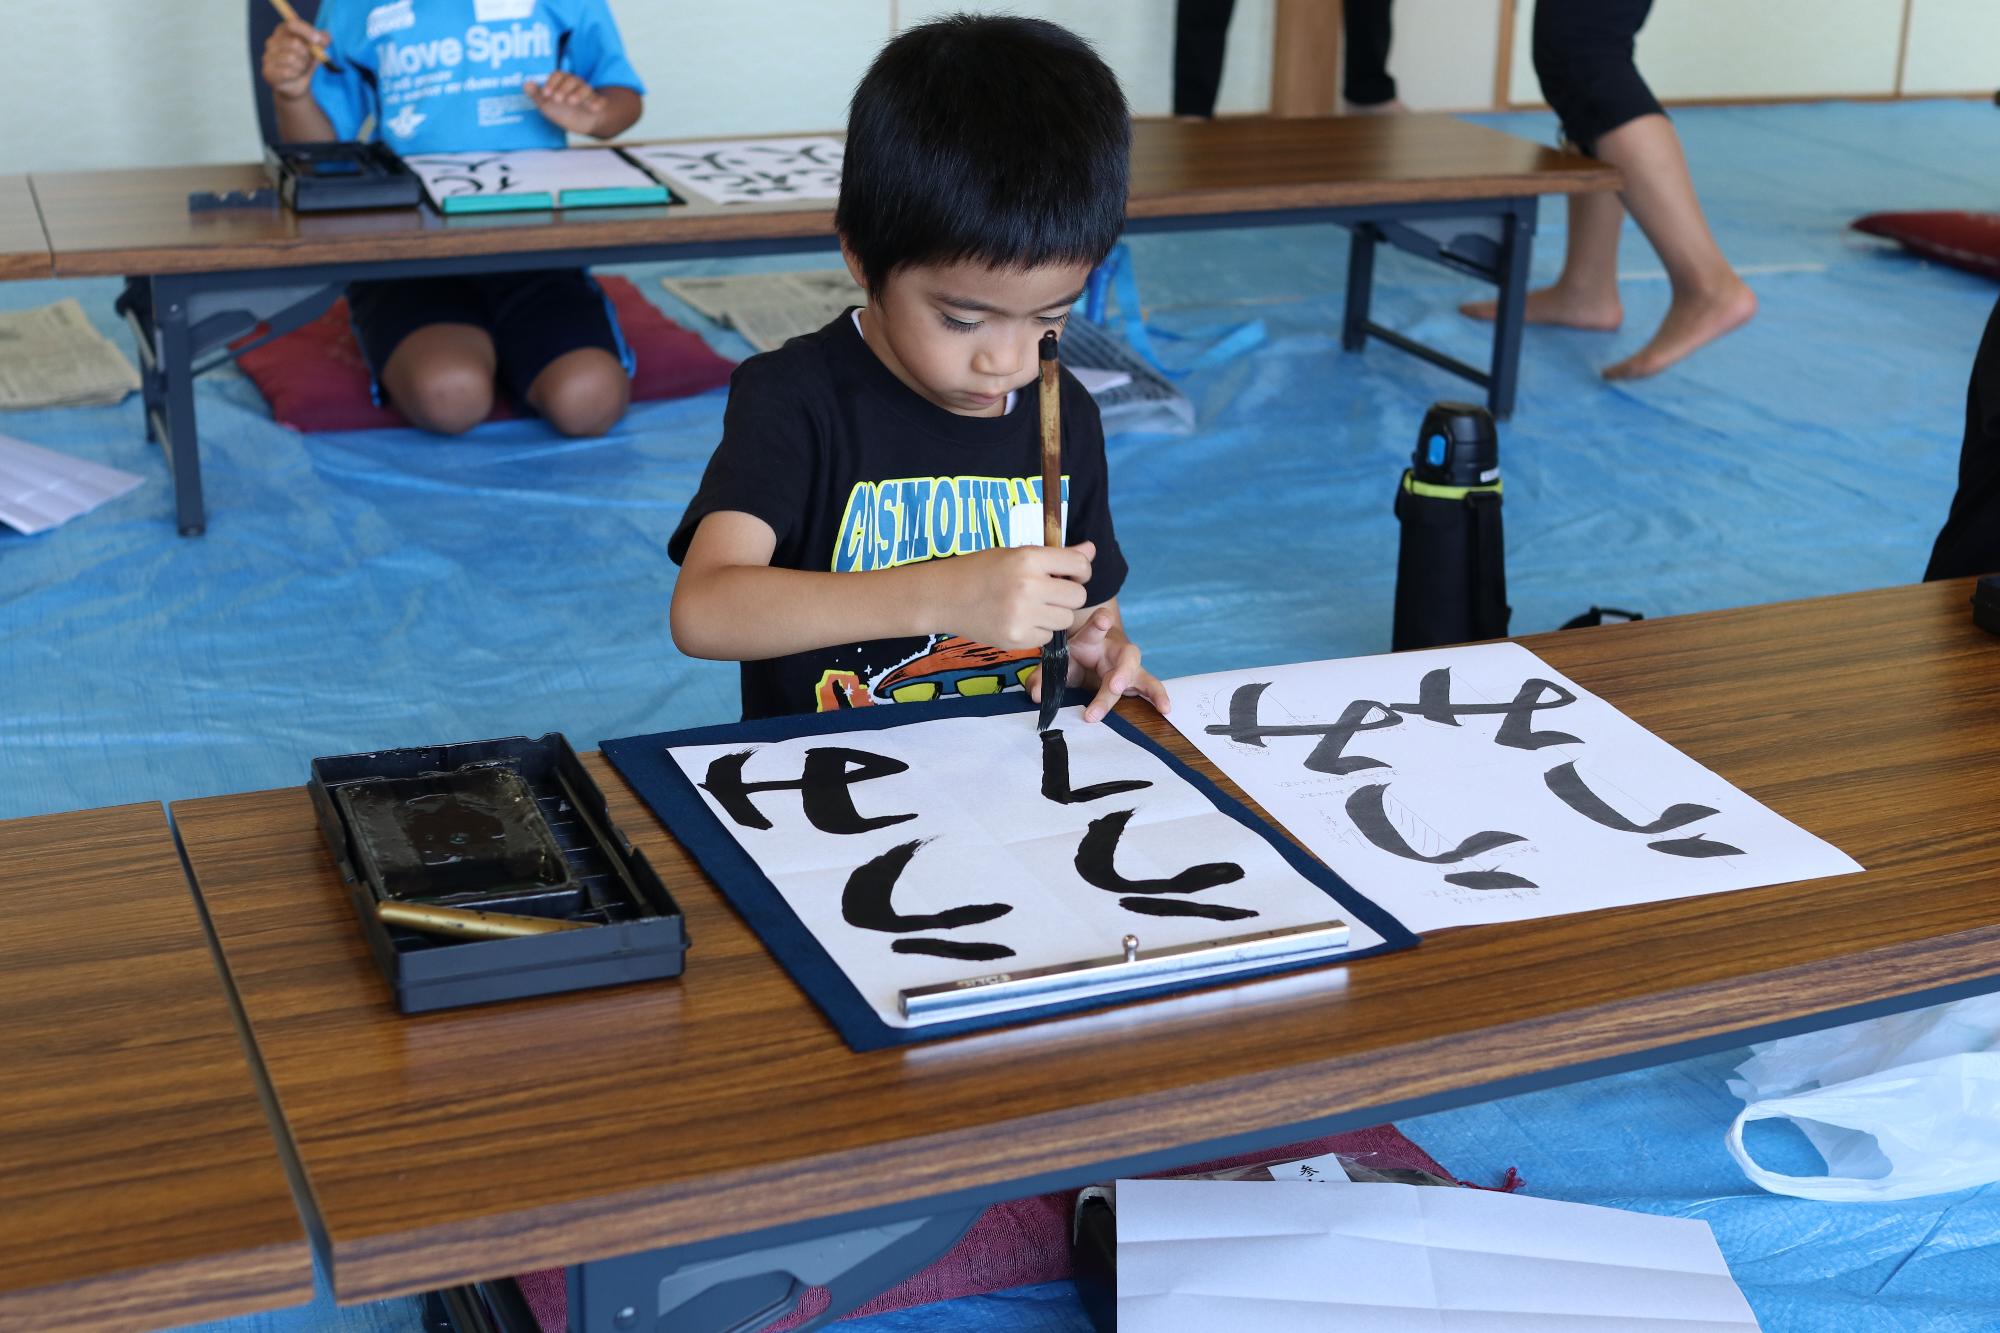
(458, 76)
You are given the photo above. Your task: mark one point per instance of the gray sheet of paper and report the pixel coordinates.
(770, 309)
(40, 488)
(53, 356)
(1199, 1255)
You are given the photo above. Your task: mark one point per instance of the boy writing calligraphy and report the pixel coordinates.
(850, 541)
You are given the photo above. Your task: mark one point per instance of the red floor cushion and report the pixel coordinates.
(1970, 241)
(314, 378)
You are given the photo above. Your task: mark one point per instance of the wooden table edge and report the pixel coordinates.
(272, 1277)
(822, 1194)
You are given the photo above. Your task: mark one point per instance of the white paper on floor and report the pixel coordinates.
(40, 488)
(1458, 786)
(1199, 1255)
(935, 854)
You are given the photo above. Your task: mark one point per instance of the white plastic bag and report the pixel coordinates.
(1899, 1107)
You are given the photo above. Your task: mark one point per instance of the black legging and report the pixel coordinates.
(1970, 540)
(1201, 30)
(1583, 56)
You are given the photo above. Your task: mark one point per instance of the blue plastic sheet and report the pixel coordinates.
(385, 588)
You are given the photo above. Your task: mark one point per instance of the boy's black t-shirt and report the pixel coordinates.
(855, 471)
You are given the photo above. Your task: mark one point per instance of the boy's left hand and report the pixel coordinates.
(566, 101)
(1099, 652)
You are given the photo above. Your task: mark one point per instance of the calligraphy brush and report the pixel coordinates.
(1055, 653)
(286, 12)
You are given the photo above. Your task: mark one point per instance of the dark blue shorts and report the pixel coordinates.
(532, 317)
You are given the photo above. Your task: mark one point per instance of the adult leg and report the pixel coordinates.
(1583, 55)
(1969, 543)
(1585, 294)
(1709, 299)
(1366, 86)
(1201, 32)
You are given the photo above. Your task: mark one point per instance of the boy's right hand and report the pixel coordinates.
(289, 59)
(1016, 597)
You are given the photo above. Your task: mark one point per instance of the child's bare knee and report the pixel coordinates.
(450, 398)
(583, 396)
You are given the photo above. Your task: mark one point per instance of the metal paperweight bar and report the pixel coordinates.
(997, 992)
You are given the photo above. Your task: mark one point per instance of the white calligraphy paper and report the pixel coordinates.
(749, 171)
(533, 178)
(1199, 1255)
(40, 488)
(949, 849)
(1466, 785)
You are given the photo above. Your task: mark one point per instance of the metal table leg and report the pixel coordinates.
(173, 426)
(1517, 243)
(1360, 285)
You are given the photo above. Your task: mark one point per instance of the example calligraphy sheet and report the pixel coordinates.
(749, 171)
(1466, 785)
(949, 849)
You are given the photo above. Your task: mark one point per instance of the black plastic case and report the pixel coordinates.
(1986, 603)
(333, 177)
(538, 841)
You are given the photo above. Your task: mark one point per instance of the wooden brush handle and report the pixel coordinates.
(1052, 533)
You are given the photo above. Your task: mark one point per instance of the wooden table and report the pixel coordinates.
(721, 1108)
(24, 248)
(1459, 194)
(139, 1183)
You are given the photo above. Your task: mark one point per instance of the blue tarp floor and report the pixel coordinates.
(382, 588)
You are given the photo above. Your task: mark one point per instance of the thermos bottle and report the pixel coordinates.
(1451, 574)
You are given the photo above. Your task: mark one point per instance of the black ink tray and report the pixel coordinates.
(336, 177)
(513, 826)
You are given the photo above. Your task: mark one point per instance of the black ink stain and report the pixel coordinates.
(1055, 776)
(1488, 879)
(866, 904)
(1368, 808)
(1098, 852)
(1698, 847)
(1184, 907)
(824, 788)
(966, 951)
(1572, 791)
(1327, 756)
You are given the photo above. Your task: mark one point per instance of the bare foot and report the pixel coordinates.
(1393, 107)
(1558, 305)
(1692, 321)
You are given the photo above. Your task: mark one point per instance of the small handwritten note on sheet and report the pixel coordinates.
(749, 171)
(1477, 784)
(1195, 1256)
(951, 848)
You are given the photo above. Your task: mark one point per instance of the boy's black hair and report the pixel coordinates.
(998, 139)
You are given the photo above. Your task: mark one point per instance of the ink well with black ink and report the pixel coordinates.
(491, 870)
